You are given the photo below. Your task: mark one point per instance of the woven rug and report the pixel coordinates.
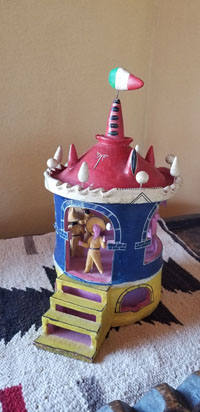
(165, 347)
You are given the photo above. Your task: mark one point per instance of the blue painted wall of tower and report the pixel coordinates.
(130, 223)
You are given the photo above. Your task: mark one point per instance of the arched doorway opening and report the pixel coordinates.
(75, 224)
(135, 298)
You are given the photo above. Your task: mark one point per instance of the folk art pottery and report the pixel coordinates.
(107, 256)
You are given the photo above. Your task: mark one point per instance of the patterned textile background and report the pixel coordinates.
(165, 347)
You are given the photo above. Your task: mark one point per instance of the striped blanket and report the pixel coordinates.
(165, 347)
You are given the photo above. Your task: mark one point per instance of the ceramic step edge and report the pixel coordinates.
(63, 280)
(102, 287)
(71, 322)
(80, 302)
(93, 294)
(59, 298)
(66, 347)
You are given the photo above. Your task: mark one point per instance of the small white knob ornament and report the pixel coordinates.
(142, 177)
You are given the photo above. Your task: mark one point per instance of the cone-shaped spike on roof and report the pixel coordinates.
(150, 156)
(52, 163)
(58, 154)
(83, 173)
(137, 148)
(115, 127)
(174, 170)
(72, 157)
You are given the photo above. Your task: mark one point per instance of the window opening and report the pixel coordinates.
(155, 248)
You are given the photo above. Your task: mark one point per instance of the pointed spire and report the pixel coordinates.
(174, 170)
(131, 163)
(150, 156)
(115, 128)
(58, 154)
(72, 157)
(137, 148)
(52, 163)
(83, 173)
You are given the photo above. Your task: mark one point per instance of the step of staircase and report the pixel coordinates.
(71, 322)
(96, 292)
(66, 347)
(67, 280)
(77, 322)
(62, 299)
(79, 302)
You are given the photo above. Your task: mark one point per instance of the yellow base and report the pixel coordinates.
(91, 311)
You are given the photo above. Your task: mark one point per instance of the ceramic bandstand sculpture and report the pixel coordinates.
(108, 257)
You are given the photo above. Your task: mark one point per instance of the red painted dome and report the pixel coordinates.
(112, 163)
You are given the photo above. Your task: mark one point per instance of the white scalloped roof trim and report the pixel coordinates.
(115, 195)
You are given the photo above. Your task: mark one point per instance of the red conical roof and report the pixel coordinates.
(112, 163)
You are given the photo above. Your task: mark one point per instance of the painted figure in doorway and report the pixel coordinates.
(77, 230)
(94, 226)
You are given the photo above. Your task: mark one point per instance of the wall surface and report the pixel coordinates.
(55, 59)
(172, 116)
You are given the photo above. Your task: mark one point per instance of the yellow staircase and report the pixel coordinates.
(77, 322)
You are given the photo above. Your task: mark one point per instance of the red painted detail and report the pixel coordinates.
(109, 163)
(134, 82)
(12, 399)
(150, 156)
(73, 157)
(166, 172)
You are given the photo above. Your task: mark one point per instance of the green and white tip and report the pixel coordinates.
(120, 79)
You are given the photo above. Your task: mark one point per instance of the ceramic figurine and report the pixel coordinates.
(118, 281)
(76, 230)
(87, 215)
(94, 226)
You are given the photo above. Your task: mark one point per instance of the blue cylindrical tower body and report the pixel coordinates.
(130, 224)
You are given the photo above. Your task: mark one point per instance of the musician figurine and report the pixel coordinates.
(95, 226)
(77, 230)
(87, 215)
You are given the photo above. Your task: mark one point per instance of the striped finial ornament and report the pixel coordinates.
(121, 79)
(115, 127)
